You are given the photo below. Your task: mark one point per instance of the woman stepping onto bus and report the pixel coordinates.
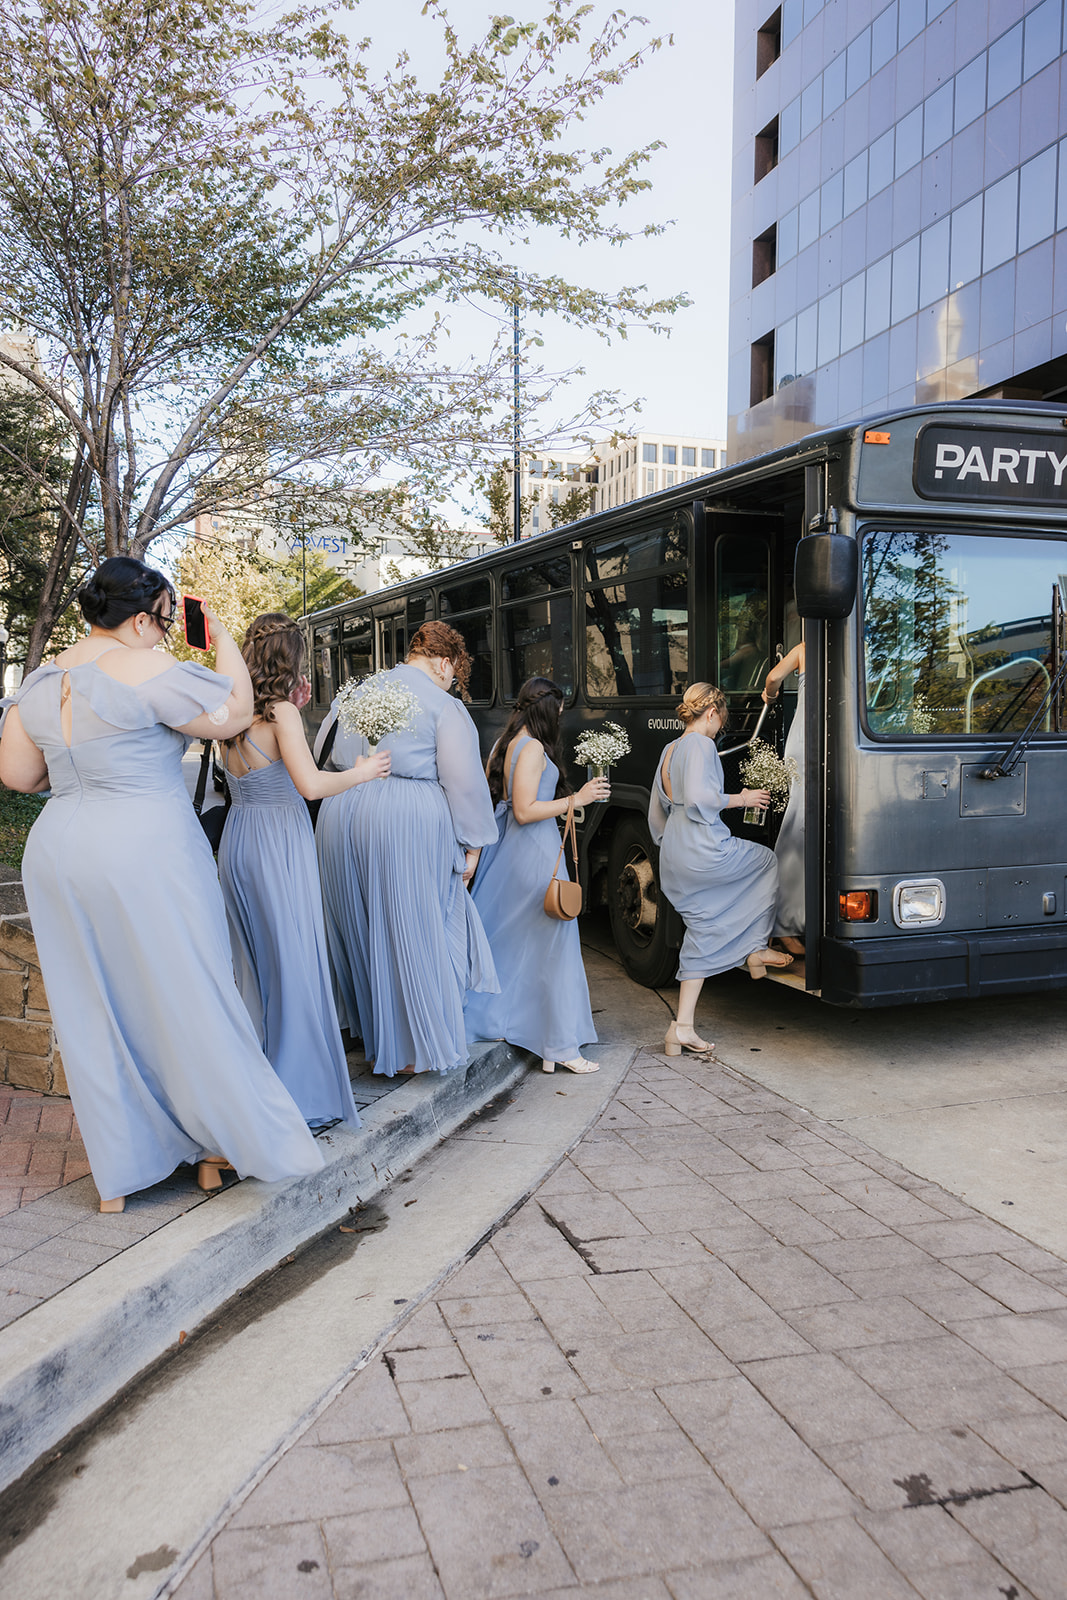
(724, 888)
(270, 879)
(405, 939)
(543, 1004)
(789, 846)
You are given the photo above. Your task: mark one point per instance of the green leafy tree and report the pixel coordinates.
(240, 584)
(33, 462)
(497, 487)
(234, 247)
(576, 504)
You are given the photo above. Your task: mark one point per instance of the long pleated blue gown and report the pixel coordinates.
(543, 1003)
(723, 888)
(161, 1058)
(789, 846)
(405, 940)
(270, 883)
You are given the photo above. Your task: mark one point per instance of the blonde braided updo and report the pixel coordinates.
(701, 697)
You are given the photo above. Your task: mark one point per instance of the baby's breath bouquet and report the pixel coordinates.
(766, 769)
(374, 707)
(599, 748)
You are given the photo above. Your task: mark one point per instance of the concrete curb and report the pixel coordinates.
(66, 1359)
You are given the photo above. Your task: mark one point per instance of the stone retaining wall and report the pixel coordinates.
(29, 1055)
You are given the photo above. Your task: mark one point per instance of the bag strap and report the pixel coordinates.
(201, 777)
(568, 830)
(327, 745)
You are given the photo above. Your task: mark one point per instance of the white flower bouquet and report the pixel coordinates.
(766, 769)
(599, 748)
(375, 706)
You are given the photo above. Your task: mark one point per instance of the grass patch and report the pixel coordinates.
(18, 813)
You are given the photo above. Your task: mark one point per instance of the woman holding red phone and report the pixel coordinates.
(163, 1063)
(270, 878)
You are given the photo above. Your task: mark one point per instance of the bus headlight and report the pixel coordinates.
(919, 902)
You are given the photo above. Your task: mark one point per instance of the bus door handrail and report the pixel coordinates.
(734, 748)
(1004, 666)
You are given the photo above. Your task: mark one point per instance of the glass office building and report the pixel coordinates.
(899, 209)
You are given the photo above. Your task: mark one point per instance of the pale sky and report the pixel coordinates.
(682, 96)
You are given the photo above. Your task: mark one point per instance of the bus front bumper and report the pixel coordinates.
(961, 966)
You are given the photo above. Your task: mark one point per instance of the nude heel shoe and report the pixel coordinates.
(209, 1172)
(758, 962)
(111, 1208)
(577, 1064)
(673, 1044)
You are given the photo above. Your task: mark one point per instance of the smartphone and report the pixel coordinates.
(195, 623)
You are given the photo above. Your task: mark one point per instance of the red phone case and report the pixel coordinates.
(185, 623)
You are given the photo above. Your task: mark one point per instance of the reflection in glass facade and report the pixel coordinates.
(918, 207)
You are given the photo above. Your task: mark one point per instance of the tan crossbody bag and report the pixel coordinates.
(563, 899)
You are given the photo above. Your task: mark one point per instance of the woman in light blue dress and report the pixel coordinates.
(543, 1004)
(789, 846)
(270, 879)
(162, 1061)
(405, 940)
(722, 887)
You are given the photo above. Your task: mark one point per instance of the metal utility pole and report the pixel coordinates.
(516, 481)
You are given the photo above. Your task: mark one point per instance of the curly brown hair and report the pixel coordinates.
(274, 654)
(437, 639)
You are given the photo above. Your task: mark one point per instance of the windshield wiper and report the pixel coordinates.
(1008, 763)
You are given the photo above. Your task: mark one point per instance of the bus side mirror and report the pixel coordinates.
(826, 573)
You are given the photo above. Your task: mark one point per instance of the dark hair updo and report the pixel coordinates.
(537, 709)
(119, 589)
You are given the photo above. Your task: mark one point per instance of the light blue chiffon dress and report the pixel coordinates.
(270, 883)
(543, 1004)
(161, 1058)
(789, 847)
(405, 940)
(723, 888)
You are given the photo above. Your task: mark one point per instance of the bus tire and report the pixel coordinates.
(636, 906)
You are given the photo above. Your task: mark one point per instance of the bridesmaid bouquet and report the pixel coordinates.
(599, 749)
(766, 769)
(374, 707)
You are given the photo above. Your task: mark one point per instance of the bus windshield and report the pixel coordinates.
(958, 630)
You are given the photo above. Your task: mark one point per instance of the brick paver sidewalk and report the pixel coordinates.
(724, 1353)
(40, 1147)
(51, 1233)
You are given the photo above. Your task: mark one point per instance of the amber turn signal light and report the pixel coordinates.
(858, 905)
(875, 436)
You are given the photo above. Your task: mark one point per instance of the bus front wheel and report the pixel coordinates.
(637, 907)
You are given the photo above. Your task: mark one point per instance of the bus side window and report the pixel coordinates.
(636, 619)
(357, 649)
(324, 652)
(477, 634)
(538, 643)
(637, 637)
(742, 590)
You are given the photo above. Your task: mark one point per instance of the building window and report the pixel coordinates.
(766, 150)
(650, 481)
(762, 384)
(764, 255)
(769, 43)
(670, 455)
(689, 456)
(648, 452)
(707, 460)
(535, 469)
(670, 480)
